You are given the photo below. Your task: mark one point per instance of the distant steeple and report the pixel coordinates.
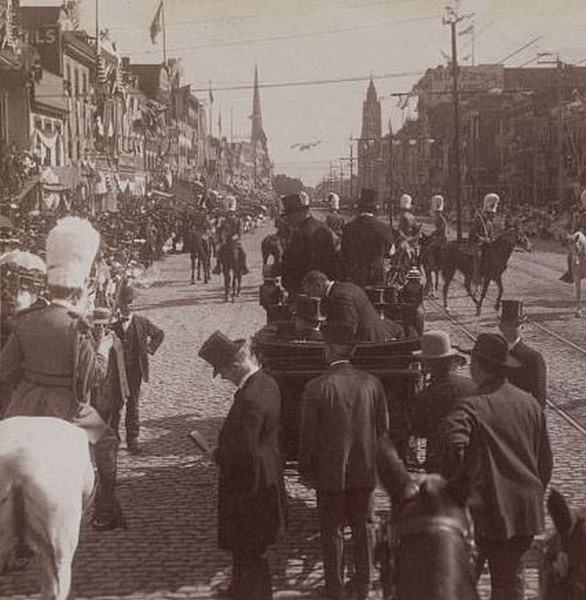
(257, 134)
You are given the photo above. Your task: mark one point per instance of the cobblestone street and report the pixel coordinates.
(169, 490)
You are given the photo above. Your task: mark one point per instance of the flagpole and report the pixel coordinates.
(211, 125)
(164, 20)
(97, 32)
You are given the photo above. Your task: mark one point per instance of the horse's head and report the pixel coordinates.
(564, 572)
(518, 238)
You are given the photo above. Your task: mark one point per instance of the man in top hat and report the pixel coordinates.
(343, 418)
(497, 441)
(310, 246)
(365, 243)
(140, 338)
(345, 302)
(482, 233)
(251, 508)
(531, 375)
(443, 387)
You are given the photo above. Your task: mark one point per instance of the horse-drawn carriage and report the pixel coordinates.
(292, 349)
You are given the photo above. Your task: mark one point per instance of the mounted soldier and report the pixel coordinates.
(231, 229)
(482, 233)
(407, 235)
(53, 361)
(334, 220)
(366, 241)
(440, 223)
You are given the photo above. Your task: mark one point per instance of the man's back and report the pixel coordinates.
(344, 414)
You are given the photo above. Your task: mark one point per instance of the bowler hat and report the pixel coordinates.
(219, 350)
(512, 312)
(337, 332)
(494, 349)
(367, 199)
(293, 203)
(435, 344)
(101, 316)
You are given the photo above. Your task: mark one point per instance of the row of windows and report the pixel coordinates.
(78, 85)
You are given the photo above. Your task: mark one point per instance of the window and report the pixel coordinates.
(76, 80)
(38, 123)
(84, 83)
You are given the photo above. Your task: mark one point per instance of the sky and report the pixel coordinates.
(310, 41)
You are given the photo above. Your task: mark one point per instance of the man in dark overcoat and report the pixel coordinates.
(343, 417)
(497, 441)
(531, 375)
(140, 338)
(345, 302)
(311, 245)
(251, 508)
(365, 243)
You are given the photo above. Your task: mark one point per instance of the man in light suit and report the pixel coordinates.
(343, 417)
(531, 375)
(347, 303)
(139, 338)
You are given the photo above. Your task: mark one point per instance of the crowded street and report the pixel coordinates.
(169, 491)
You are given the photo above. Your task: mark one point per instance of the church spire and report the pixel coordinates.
(257, 134)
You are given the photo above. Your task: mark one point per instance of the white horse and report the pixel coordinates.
(46, 482)
(577, 261)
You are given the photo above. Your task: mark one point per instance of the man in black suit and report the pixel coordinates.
(347, 303)
(497, 441)
(139, 338)
(365, 243)
(251, 511)
(311, 245)
(343, 417)
(531, 376)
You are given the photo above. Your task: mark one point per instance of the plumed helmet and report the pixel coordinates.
(304, 198)
(437, 203)
(406, 202)
(24, 261)
(490, 202)
(334, 201)
(72, 246)
(232, 203)
(583, 198)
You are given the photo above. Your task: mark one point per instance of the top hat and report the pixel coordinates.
(435, 344)
(219, 350)
(367, 199)
(293, 203)
(337, 332)
(512, 312)
(494, 349)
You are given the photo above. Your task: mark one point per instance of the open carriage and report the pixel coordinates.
(292, 350)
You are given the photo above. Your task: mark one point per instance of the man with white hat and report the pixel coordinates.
(482, 233)
(440, 232)
(334, 220)
(407, 230)
(51, 355)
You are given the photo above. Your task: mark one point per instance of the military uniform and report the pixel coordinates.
(440, 233)
(479, 236)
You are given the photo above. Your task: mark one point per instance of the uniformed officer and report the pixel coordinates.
(365, 243)
(310, 247)
(407, 229)
(482, 233)
(531, 375)
(334, 220)
(440, 232)
(54, 361)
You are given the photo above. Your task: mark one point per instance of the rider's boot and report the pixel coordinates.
(107, 511)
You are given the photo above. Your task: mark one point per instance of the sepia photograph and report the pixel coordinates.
(290, 299)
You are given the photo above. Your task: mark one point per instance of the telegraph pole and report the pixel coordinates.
(452, 19)
(351, 170)
(560, 143)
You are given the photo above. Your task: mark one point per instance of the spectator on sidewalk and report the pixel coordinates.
(139, 338)
(343, 416)
(497, 441)
(251, 496)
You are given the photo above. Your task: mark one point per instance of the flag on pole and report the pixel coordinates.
(156, 23)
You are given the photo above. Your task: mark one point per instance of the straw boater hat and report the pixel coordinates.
(72, 246)
(490, 202)
(435, 344)
(219, 350)
(405, 202)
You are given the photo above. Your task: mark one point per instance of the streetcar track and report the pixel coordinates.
(550, 403)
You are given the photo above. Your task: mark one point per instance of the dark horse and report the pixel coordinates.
(430, 257)
(458, 256)
(429, 552)
(564, 565)
(230, 256)
(272, 245)
(202, 248)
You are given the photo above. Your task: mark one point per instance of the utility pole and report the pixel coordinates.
(351, 170)
(452, 19)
